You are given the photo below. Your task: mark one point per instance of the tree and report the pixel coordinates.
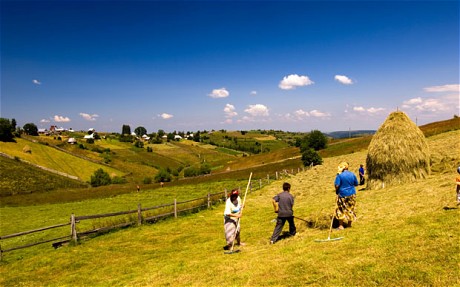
(100, 177)
(31, 129)
(126, 130)
(13, 124)
(161, 133)
(315, 140)
(140, 131)
(197, 136)
(311, 157)
(6, 130)
(163, 176)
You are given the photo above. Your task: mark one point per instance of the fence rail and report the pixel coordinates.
(144, 215)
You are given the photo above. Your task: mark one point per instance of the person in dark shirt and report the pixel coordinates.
(284, 202)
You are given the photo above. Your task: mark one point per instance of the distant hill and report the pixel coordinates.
(350, 134)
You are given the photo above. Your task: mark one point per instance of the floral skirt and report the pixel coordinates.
(346, 208)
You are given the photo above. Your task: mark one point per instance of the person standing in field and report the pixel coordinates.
(344, 184)
(457, 181)
(283, 203)
(232, 213)
(361, 174)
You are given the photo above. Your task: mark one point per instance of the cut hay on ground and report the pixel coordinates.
(398, 153)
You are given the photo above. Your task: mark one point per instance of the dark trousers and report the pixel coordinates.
(280, 221)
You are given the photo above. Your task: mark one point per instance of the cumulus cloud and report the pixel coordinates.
(36, 82)
(253, 93)
(89, 117)
(444, 88)
(343, 79)
(293, 81)
(61, 119)
(230, 111)
(219, 93)
(301, 114)
(165, 116)
(44, 121)
(257, 110)
(426, 105)
(369, 111)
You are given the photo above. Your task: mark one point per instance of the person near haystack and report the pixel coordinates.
(457, 181)
(361, 174)
(283, 203)
(232, 213)
(345, 183)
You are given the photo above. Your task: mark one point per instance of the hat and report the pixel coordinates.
(343, 165)
(234, 192)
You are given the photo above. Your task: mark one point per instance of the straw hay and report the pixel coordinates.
(398, 153)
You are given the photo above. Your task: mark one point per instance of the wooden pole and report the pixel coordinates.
(209, 200)
(260, 183)
(73, 228)
(276, 175)
(139, 214)
(175, 208)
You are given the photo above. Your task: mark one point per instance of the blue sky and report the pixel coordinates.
(234, 65)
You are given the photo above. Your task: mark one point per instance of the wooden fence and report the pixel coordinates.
(138, 216)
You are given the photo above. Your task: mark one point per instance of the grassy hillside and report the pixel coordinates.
(404, 236)
(32, 179)
(44, 155)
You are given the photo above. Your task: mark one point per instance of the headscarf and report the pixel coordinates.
(343, 165)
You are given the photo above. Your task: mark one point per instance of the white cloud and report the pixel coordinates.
(45, 121)
(293, 81)
(370, 111)
(343, 79)
(444, 88)
(257, 110)
(253, 93)
(230, 111)
(61, 119)
(89, 117)
(318, 114)
(413, 101)
(301, 114)
(36, 82)
(426, 105)
(219, 93)
(165, 116)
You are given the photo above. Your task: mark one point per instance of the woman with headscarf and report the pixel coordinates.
(232, 213)
(345, 183)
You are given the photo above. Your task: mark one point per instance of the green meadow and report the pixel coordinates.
(405, 235)
(49, 157)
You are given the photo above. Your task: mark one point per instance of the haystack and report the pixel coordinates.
(398, 153)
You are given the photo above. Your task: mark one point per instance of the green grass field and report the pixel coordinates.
(406, 235)
(46, 156)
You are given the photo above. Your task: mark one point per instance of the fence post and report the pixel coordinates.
(175, 208)
(225, 194)
(1, 253)
(260, 183)
(73, 228)
(268, 178)
(209, 200)
(276, 175)
(139, 214)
